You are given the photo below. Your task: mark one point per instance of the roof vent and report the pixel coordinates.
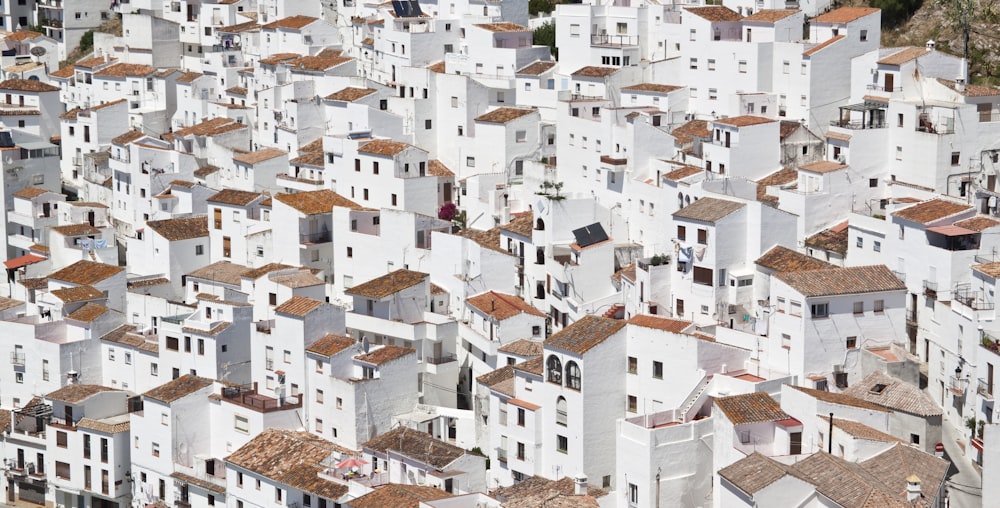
(930, 45)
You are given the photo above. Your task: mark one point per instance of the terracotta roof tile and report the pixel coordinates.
(30, 192)
(844, 15)
(536, 490)
(299, 279)
(715, 13)
(248, 26)
(264, 154)
(86, 272)
(94, 62)
(503, 27)
(902, 56)
(331, 344)
(971, 90)
(35, 283)
(754, 407)
(117, 425)
(27, 85)
(584, 334)
(318, 63)
(189, 77)
(819, 47)
(979, 223)
(416, 445)
(522, 224)
(198, 482)
(895, 465)
(256, 273)
(125, 70)
(708, 210)
(840, 399)
(842, 281)
(533, 366)
(178, 388)
(350, 94)
(439, 67)
(537, 68)
(690, 130)
(683, 172)
(523, 347)
(753, 473)
(783, 176)
(894, 394)
(220, 271)
(388, 284)
(181, 228)
(833, 239)
(593, 71)
(385, 354)
(316, 202)
(291, 23)
(212, 127)
(437, 168)
(660, 323)
(317, 159)
(217, 329)
(651, 87)
(383, 147)
(930, 211)
(64, 72)
(9, 303)
(782, 259)
(305, 477)
(504, 115)
(989, 269)
(76, 229)
(22, 35)
(205, 171)
(499, 375)
(298, 306)
(275, 452)
(76, 392)
(770, 15)
(859, 430)
(744, 120)
(78, 294)
(126, 138)
(399, 496)
(838, 136)
(489, 239)
(501, 306)
(823, 167)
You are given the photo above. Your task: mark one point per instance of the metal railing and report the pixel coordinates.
(501, 454)
(844, 124)
(321, 237)
(882, 88)
(17, 358)
(985, 390)
(972, 299)
(614, 40)
(438, 360)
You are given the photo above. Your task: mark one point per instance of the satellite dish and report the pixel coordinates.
(38, 51)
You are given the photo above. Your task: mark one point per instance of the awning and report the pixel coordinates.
(952, 230)
(25, 260)
(35, 145)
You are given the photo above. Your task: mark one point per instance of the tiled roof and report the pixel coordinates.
(21, 35)
(298, 306)
(979, 223)
(833, 239)
(782, 259)
(274, 452)
(184, 228)
(291, 23)
(990, 269)
(86, 272)
(213, 127)
(104, 426)
(76, 392)
(126, 138)
(437, 168)
(305, 477)
(317, 159)
(350, 94)
(383, 147)
(64, 72)
(504, 115)
(30, 192)
(683, 172)
(898, 463)
(220, 271)
(708, 210)
(264, 154)
(523, 347)
(537, 68)
(489, 239)
(971, 90)
(842, 281)
(9, 303)
(234, 197)
(76, 229)
(593, 71)
(416, 445)
(754, 407)
(788, 128)
(385, 354)
(198, 482)
(189, 77)
(895, 394)
(300, 279)
(660, 323)
(204, 171)
(399, 496)
(847, 483)
(498, 377)
(136, 284)
(521, 224)
(240, 27)
(844, 15)
(90, 63)
(902, 56)
(122, 70)
(823, 167)
(783, 176)
(88, 313)
(86, 204)
(321, 62)
(532, 487)
(859, 430)
(930, 211)
(501, 306)
(76, 294)
(744, 120)
(753, 473)
(217, 329)
(438, 67)
(330, 344)
(584, 334)
(388, 284)
(256, 273)
(35, 283)
(819, 47)
(316, 202)
(715, 13)
(237, 90)
(839, 399)
(770, 15)
(178, 388)
(651, 87)
(503, 27)
(533, 366)
(27, 85)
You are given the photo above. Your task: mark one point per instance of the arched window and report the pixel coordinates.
(561, 417)
(680, 200)
(555, 369)
(540, 224)
(573, 375)
(687, 199)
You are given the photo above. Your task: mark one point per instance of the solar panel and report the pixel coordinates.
(407, 8)
(589, 235)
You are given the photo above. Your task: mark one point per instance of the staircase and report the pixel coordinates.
(615, 312)
(695, 397)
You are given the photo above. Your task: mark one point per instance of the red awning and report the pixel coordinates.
(952, 230)
(25, 260)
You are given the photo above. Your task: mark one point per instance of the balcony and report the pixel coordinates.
(439, 360)
(614, 40)
(501, 455)
(249, 398)
(957, 385)
(313, 238)
(974, 300)
(984, 389)
(845, 124)
(882, 88)
(930, 289)
(911, 317)
(17, 359)
(899, 275)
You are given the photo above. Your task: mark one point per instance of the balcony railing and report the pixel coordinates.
(972, 299)
(900, 275)
(17, 359)
(930, 288)
(957, 385)
(881, 88)
(438, 360)
(858, 125)
(501, 454)
(614, 40)
(911, 316)
(985, 390)
(321, 237)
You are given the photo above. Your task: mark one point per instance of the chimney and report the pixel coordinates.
(913, 488)
(930, 45)
(580, 485)
(960, 85)
(72, 377)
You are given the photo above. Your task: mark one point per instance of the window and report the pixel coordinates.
(852, 342)
(859, 307)
(156, 449)
(713, 93)
(61, 439)
(860, 242)
(633, 365)
(694, 64)
(877, 246)
(681, 233)
(899, 153)
(633, 494)
(319, 396)
(520, 451)
(864, 35)
(375, 167)
(340, 403)
(879, 306)
(86, 446)
(470, 162)
(350, 252)
(154, 369)
(703, 236)
(520, 417)
(573, 375)
(574, 30)
(915, 439)
(454, 102)
(742, 66)
(633, 403)
(319, 426)
(111, 354)
(241, 424)
(562, 444)
(427, 124)
(658, 370)
(819, 310)
(956, 158)
(711, 64)
(795, 309)
(555, 369)
(703, 276)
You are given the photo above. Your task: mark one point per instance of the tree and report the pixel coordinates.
(545, 35)
(87, 41)
(536, 6)
(895, 12)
